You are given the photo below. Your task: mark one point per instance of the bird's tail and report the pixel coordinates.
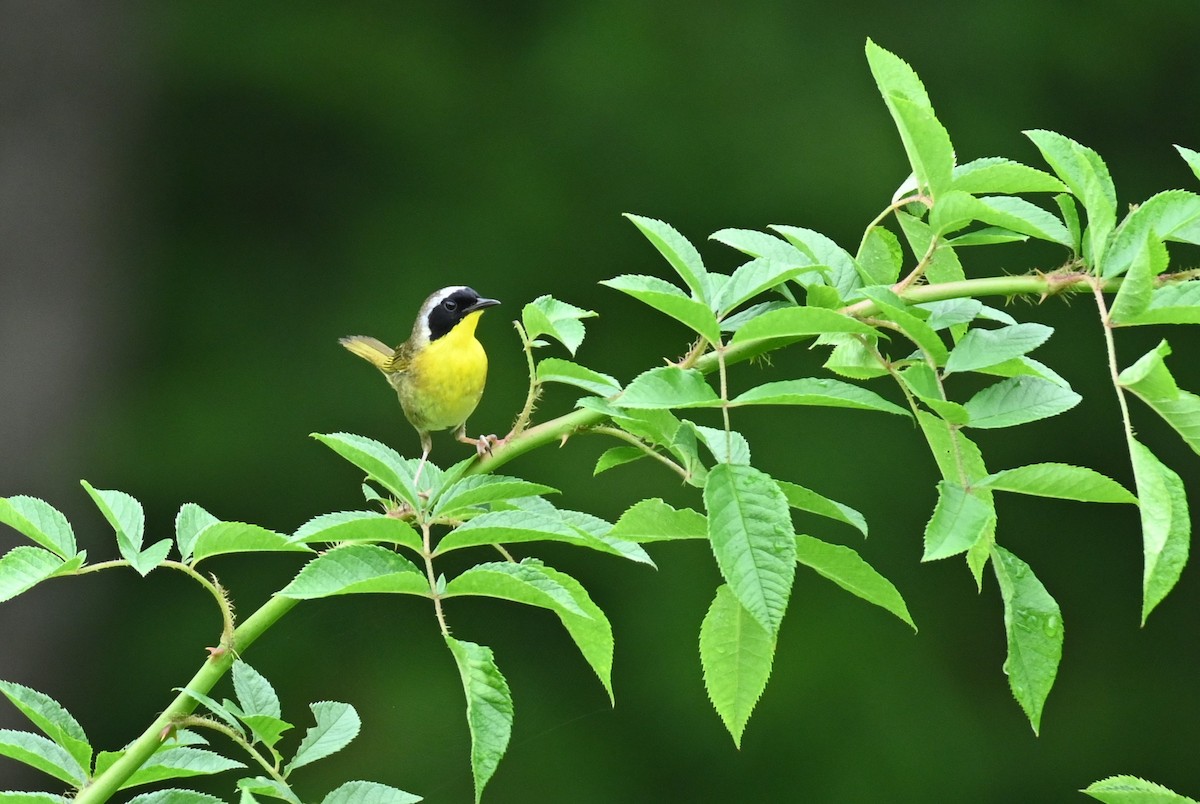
(374, 351)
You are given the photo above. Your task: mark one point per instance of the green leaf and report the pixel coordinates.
(755, 277)
(880, 257)
(32, 798)
(960, 520)
(1034, 628)
(1169, 215)
(1166, 525)
(489, 708)
(1152, 382)
(817, 391)
(1175, 303)
(615, 456)
(853, 358)
(24, 567)
(263, 786)
(1059, 480)
(668, 387)
(666, 298)
(1191, 157)
(357, 568)
(358, 526)
(997, 175)
(925, 140)
(482, 490)
(726, 446)
(1018, 215)
(175, 796)
(1019, 400)
(659, 427)
(41, 522)
(38, 752)
(1084, 172)
(267, 729)
(980, 348)
(546, 315)
(987, 236)
(337, 724)
(125, 515)
(653, 520)
(1136, 292)
(1130, 789)
(532, 583)
(553, 369)
(788, 325)
(922, 381)
(1070, 216)
(909, 321)
(53, 720)
(190, 520)
(177, 763)
(808, 500)
(845, 276)
(736, 653)
(761, 244)
(381, 463)
(239, 537)
(752, 538)
(943, 266)
(847, 569)
(368, 793)
(255, 695)
(680, 253)
(211, 705)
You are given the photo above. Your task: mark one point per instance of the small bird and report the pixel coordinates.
(440, 371)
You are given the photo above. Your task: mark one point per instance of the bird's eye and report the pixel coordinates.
(450, 305)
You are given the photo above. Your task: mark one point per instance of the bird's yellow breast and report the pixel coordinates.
(444, 381)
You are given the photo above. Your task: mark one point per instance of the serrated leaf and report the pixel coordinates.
(1132, 790)
(1019, 215)
(175, 796)
(997, 175)
(337, 725)
(355, 569)
(760, 244)
(190, 520)
(653, 520)
(751, 534)
(668, 299)
(1034, 628)
(263, 786)
(368, 793)
(54, 721)
(41, 522)
(844, 274)
(178, 763)
(381, 463)
(127, 518)
(1070, 216)
(980, 348)
(266, 729)
(483, 490)
(535, 584)
(1084, 172)
(853, 357)
(1191, 157)
(680, 253)
(783, 326)
(1169, 215)
(1166, 525)
(358, 526)
(987, 236)
(1174, 303)
(755, 277)
(668, 387)
(943, 265)
(24, 567)
(808, 500)
(1059, 480)
(909, 322)
(1152, 382)
(925, 140)
(847, 569)
(726, 446)
(255, 695)
(816, 391)
(31, 798)
(38, 752)
(960, 519)
(1019, 400)
(736, 654)
(553, 369)
(880, 257)
(239, 537)
(489, 708)
(615, 456)
(546, 315)
(212, 705)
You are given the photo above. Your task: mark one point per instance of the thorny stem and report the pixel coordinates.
(192, 721)
(535, 387)
(1111, 347)
(919, 271)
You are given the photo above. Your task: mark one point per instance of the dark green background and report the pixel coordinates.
(207, 195)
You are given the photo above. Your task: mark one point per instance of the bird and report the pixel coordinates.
(440, 371)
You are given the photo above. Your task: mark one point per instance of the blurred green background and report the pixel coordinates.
(198, 199)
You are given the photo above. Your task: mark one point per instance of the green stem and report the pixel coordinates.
(208, 723)
(101, 788)
(1111, 348)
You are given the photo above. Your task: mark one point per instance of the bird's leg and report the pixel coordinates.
(483, 445)
(426, 446)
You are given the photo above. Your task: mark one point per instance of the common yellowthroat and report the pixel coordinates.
(439, 372)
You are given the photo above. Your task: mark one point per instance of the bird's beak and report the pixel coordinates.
(481, 304)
